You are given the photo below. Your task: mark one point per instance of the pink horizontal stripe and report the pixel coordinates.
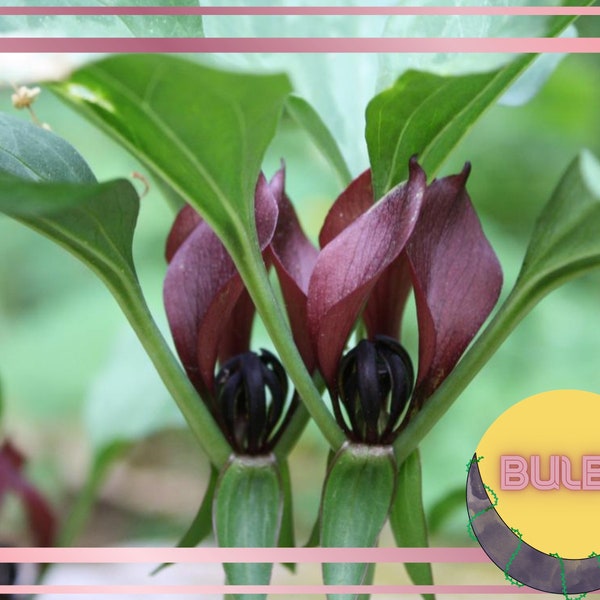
(264, 589)
(233, 555)
(300, 10)
(314, 45)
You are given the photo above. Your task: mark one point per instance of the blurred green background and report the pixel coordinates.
(75, 380)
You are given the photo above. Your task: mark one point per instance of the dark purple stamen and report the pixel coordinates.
(375, 381)
(251, 392)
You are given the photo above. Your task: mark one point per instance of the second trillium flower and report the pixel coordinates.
(420, 237)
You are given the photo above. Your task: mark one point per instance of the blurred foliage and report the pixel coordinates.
(59, 327)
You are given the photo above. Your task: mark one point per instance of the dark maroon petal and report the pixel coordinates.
(349, 266)
(185, 222)
(456, 276)
(355, 200)
(202, 289)
(294, 258)
(236, 333)
(384, 309)
(39, 515)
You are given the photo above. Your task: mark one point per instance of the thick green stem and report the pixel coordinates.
(516, 306)
(200, 421)
(254, 273)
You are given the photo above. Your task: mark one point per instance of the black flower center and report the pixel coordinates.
(375, 381)
(251, 392)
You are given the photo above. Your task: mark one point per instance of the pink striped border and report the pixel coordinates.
(301, 45)
(235, 555)
(266, 589)
(301, 10)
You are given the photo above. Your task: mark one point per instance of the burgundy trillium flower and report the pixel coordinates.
(210, 314)
(427, 238)
(13, 481)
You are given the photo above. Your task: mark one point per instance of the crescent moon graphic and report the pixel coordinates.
(525, 564)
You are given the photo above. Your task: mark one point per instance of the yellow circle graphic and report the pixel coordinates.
(542, 459)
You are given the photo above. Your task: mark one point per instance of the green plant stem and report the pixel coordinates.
(517, 305)
(130, 298)
(254, 273)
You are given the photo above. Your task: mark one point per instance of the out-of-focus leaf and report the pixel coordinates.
(340, 85)
(247, 513)
(306, 116)
(407, 519)
(127, 400)
(76, 520)
(441, 510)
(565, 241)
(201, 130)
(428, 114)
(32, 153)
(103, 25)
(356, 499)
(201, 526)
(96, 223)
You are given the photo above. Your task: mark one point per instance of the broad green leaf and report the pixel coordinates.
(201, 130)
(103, 25)
(356, 500)
(407, 518)
(428, 114)
(247, 513)
(306, 116)
(96, 223)
(564, 244)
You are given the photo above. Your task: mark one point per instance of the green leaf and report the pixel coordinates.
(306, 116)
(428, 115)
(564, 244)
(204, 132)
(247, 514)
(96, 223)
(201, 130)
(356, 500)
(30, 152)
(407, 519)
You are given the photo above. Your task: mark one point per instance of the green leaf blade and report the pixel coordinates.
(407, 519)
(428, 115)
(202, 131)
